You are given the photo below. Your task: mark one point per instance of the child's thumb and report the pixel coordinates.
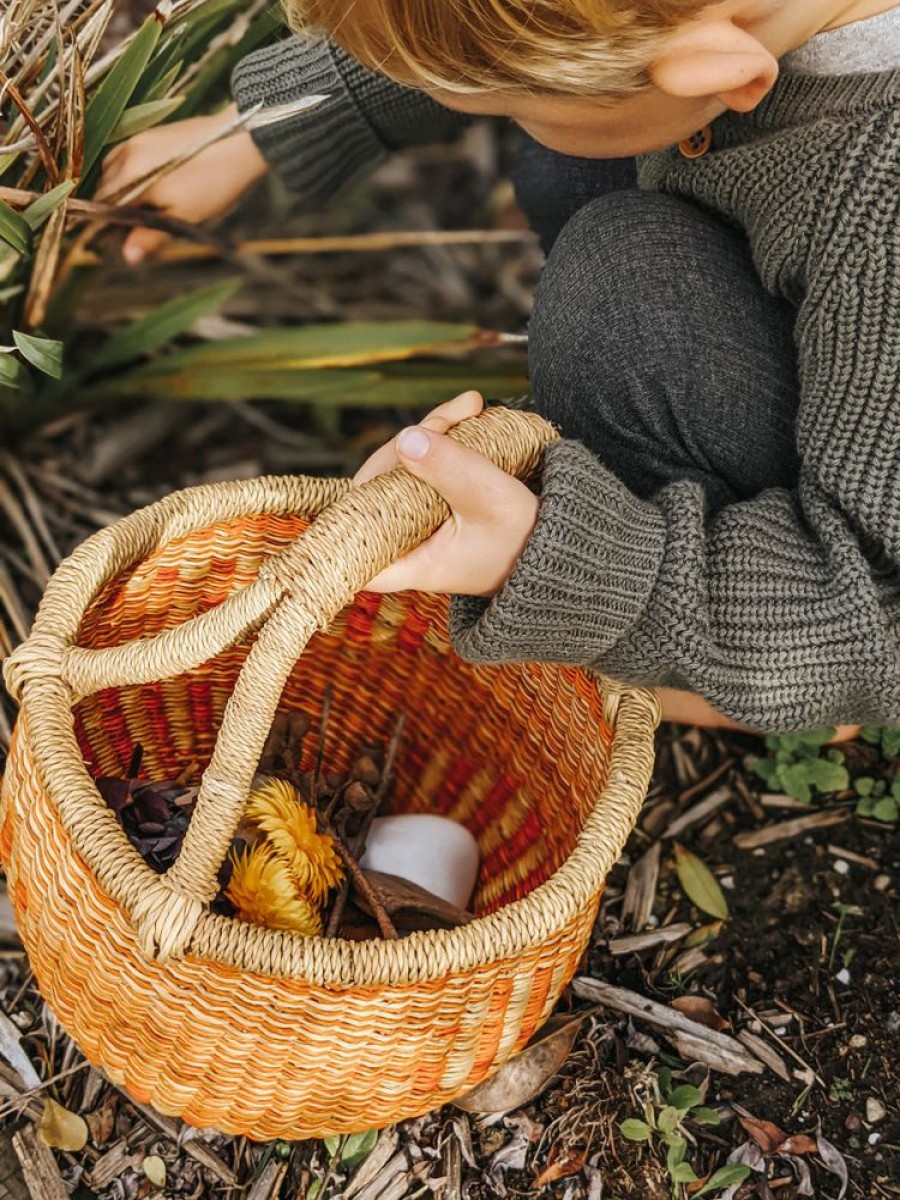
(460, 475)
(142, 244)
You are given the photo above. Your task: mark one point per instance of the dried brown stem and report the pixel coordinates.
(385, 924)
(7, 87)
(357, 243)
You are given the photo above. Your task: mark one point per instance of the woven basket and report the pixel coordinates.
(183, 628)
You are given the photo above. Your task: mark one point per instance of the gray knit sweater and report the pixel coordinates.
(784, 611)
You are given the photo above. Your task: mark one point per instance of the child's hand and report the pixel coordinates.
(492, 514)
(203, 188)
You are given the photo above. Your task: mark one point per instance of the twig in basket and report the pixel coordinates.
(390, 759)
(337, 910)
(385, 924)
(359, 842)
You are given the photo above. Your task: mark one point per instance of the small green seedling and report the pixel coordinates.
(800, 764)
(663, 1121)
(876, 801)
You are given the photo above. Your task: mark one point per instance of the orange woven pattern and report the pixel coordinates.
(492, 748)
(266, 1034)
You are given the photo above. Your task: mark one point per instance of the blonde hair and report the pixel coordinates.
(564, 47)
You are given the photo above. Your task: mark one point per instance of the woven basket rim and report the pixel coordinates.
(47, 712)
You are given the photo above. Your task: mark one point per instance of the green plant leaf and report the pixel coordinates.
(43, 353)
(699, 884)
(159, 89)
(767, 770)
(634, 1130)
(683, 1173)
(12, 373)
(45, 206)
(792, 780)
(317, 347)
(357, 1147)
(675, 1154)
(725, 1177)
(685, 1096)
(864, 785)
(811, 739)
(402, 387)
(668, 1120)
(886, 810)
(890, 743)
(818, 773)
(111, 98)
(705, 1116)
(332, 1144)
(144, 116)
(14, 229)
(161, 326)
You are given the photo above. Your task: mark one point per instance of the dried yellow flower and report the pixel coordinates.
(263, 891)
(290, 828)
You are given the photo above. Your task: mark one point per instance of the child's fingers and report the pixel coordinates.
(469, 482)
(451, 412)
(440, 419)
(142, 244)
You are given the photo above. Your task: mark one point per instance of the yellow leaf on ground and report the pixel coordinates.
(155, 1170)
(61, 1129)
(699, 884)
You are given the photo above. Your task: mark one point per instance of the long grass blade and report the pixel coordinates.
(40, 210)
(312, 347)
(111, 99)
(161, 326)
(144, 116)
(14, 230)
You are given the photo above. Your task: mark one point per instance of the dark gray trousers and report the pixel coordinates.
(653, 340)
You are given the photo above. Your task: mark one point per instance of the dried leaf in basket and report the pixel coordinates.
(154, 815)
(524, 1077)
(409, 906)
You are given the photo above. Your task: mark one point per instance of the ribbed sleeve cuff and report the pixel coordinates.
(320, 151)
(584, 579)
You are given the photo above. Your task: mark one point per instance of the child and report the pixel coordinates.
(721, 349)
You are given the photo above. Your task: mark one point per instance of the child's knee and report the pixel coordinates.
(604, 308)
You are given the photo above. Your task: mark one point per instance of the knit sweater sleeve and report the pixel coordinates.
(784, 610)
(363, 120)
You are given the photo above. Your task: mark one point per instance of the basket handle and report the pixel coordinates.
(319, 574)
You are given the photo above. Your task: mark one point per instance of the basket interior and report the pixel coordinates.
(518, 754)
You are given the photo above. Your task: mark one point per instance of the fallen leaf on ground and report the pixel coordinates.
(155, 1170)
(101, 1121)
(766, 1135)
(526, 1075)
(61, 1129)
(799, 1144)
(699, 1009)
(569, 1163)
(834, 1162)
(703, 935)
(699, 884)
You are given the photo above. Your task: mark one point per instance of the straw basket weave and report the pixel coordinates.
(184, 628)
